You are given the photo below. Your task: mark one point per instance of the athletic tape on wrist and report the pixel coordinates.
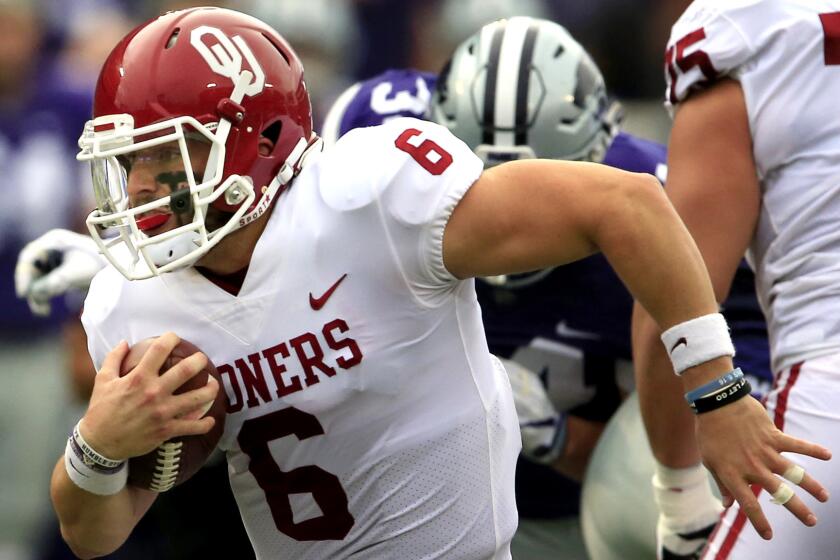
(102, 481)
(714, 386)
(688, 506)
(697, 341)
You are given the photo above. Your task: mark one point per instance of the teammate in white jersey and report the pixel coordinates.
(754, 161)
(366, 417)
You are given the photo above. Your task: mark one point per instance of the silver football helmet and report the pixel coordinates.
(524, 88)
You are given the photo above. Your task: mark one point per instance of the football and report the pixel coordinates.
(177, 459)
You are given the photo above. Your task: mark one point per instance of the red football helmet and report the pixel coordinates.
(210, 74)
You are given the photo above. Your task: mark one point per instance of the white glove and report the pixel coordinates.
(543, 429)
(54, 263)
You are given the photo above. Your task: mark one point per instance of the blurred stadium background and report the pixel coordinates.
(50, 52)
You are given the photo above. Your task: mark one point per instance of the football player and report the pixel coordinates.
(366, 417)
(547, 322)
(753, 162)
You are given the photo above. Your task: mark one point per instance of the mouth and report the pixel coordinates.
(150, 222)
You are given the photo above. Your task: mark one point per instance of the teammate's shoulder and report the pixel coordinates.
(703, 11)
(708, 41)
(716, 38)
(750, 18)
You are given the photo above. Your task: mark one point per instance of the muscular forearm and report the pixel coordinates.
(95, 525)
(651, 250)
(667, 418)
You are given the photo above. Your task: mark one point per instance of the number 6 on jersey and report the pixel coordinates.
(427, 153)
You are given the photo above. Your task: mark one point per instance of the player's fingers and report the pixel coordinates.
(52, 284)
(748, 502)
(39, 307)
(795, 474)
(156, 355)
(25, 270)
(783, 494)
(725, 496)
(802, 512)
(189, 427)
(813, 487)
(196, 401)
(803, 447)
(184, 370)
(113, 361)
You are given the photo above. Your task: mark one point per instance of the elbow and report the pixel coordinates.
(646, 192)
(82, 548)
(636, 199)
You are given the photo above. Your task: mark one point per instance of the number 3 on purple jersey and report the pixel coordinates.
(385, 101)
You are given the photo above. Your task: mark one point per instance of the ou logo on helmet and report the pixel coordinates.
(225, 57)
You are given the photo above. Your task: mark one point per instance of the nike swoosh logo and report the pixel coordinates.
(566, 331)
(682, 340)
(318, 303)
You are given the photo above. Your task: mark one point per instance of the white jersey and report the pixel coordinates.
(786, 56)
(367, 418)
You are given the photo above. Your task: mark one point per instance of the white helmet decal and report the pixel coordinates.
(225, 57)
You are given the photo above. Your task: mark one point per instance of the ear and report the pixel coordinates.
(265, 146)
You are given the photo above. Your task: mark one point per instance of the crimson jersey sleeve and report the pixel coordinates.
(410, 174)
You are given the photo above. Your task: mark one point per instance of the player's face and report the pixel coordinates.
(160, 171)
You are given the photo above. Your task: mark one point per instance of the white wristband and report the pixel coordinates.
(697, 341)
(91, 477)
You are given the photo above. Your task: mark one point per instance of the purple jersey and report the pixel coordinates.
(638, 155)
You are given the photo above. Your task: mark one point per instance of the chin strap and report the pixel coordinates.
(297, 159)
(303, 151)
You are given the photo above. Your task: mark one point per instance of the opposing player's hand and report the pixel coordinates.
(741, 446)
(131, 415)
(54, 263)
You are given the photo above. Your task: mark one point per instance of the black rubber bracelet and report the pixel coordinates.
(725, 396)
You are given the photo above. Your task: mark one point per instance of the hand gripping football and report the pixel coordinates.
(177, 459)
